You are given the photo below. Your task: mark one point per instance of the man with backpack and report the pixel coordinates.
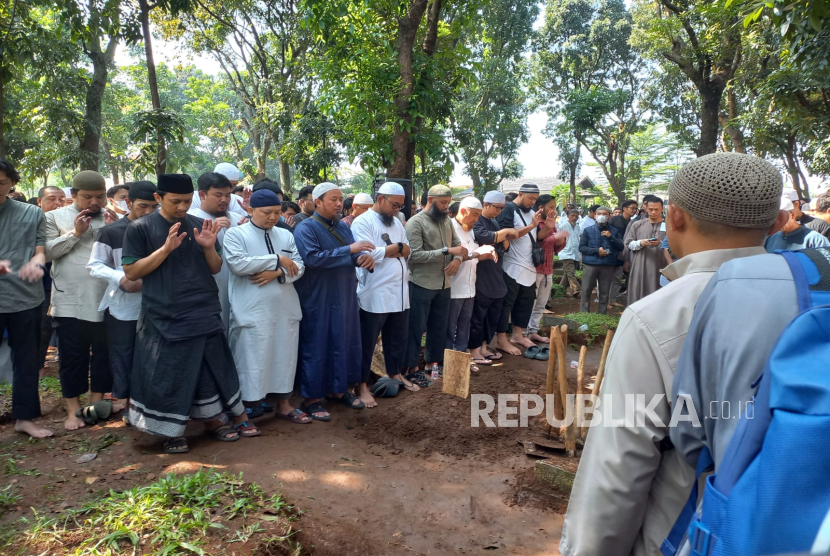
(775, 499)
(631, 485)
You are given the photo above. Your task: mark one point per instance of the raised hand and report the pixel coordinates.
(537, 217)
(174, 239)
(359, 246)
(207, 237)
(110, 216)
(82, 223)
(550, 222)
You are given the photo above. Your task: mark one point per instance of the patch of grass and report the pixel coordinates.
(558, 290)
(598, 324)
(178, 514)
(578, 274)
(13, 469)
(8, 498)
(5, 398)
(50, 385)
(85, 445)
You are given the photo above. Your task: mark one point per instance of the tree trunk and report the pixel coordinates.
(91, 143)
(710, 98)
(152, 82)
(285, 176)
(791, 160)
(730, 125)
(477, 190)
(407, 31)
(2, 109)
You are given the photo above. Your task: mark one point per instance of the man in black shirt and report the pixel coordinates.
(183, 366)
(490, 286)
(621, 222)
(810, 222)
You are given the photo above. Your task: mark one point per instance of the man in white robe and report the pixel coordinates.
(383, 294)
(265, 310)
(215, 194)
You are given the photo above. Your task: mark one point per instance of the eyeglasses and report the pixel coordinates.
(395, 206)
(498, 207)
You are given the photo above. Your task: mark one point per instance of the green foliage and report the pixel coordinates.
(598, 325)
(174, 515)
(558, 290)
(8, 498)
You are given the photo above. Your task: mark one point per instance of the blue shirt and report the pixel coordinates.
(802, 238)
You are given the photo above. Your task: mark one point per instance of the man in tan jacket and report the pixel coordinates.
(632, 483)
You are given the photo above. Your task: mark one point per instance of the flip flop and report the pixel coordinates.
(543, 355)
(176, 446)
(316, 407)
(296, 416)
(91, 414)
(348, 400)
(532, 352)
(474, 368)
(219, 433)
(493, 356)
(247, 429)
(483, 362)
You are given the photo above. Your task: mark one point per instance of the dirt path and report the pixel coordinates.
(409, 477)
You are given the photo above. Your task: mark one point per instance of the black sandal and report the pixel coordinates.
(316, 407)
(220, 434)
(419, 378)
(348, 400)
(176, 446)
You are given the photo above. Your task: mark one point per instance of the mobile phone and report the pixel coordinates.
(653, 239)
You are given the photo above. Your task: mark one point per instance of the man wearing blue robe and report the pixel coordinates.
(330, 349)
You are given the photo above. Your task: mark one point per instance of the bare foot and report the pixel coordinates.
(73, 423)
(365, 395)
(537, 338)
(30, 428)
(411, 386)
(118, 405)
(521, 341)
(507, 347)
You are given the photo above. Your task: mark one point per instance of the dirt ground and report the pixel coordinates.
(409, 477)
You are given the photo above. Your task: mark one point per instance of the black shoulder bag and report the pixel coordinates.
(536, 253)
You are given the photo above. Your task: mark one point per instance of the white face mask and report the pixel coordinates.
(602, 219)
(122, 205)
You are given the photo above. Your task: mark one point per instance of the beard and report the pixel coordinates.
(436, 214)
(387, 219)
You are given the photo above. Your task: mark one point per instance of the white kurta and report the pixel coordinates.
(386, 290)
(265, 321)
(223, 276)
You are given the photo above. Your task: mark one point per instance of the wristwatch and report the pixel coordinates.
(400, 247)
(445, 250)
(470, 255)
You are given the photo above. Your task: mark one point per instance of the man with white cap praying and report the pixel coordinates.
(632, 483)
(436, 257)
(463, 289)
(360, 204)
(490, 286)
(794, 236)
(383, 295)
(264, 264)
(330, 349)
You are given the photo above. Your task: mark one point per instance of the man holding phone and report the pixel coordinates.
(643, 239)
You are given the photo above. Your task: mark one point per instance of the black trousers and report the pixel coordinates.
(393, 328)
(428, 310)
(121, 336)
(46, 330)
(518, 302)
(24, 334)
(485, 319)
(81, 372)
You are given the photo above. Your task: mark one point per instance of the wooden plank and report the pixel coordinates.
(456, 373)
(600, 375)
(562, 376)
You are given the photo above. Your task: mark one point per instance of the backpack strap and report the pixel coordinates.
(672, 543)
(811, 274)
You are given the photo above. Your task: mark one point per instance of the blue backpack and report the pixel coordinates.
(771, 494)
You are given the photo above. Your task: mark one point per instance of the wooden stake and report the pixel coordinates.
(580, 375)
(562, 375)
(600, 375)
(456, 373)
(564, 330)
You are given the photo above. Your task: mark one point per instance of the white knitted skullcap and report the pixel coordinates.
(494, 197)
(470, 203)
(734, 189)
(228, 170)
(391, 188)
(363, 199)
(322, 188)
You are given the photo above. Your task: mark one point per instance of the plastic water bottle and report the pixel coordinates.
(574, 364)
(583, 328)
(435, 371)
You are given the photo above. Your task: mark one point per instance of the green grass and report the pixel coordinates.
(8, 498)
(598, 324)
(48, 385)
(558, 290)
(178, 514)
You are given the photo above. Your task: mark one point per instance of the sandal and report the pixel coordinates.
(419, 379)
(495, 356)
(316, 407)
(543, 355)
(247, 429)
(532, 352)
(296, 416)
(91, 414)
(484, 362)
(220, 433)
(474, 368)
(348, 400)
(176, 446)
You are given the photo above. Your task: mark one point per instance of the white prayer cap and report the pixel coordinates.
(228, 170)
(363, 199)
(470, 203)
(67, 191)
(792, 195)
(323, 188)
(494, 197)
(391, 188)
(786, 203)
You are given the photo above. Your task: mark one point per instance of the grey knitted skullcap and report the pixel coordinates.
(734, 189)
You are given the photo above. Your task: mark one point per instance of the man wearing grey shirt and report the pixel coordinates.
(22, 240)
